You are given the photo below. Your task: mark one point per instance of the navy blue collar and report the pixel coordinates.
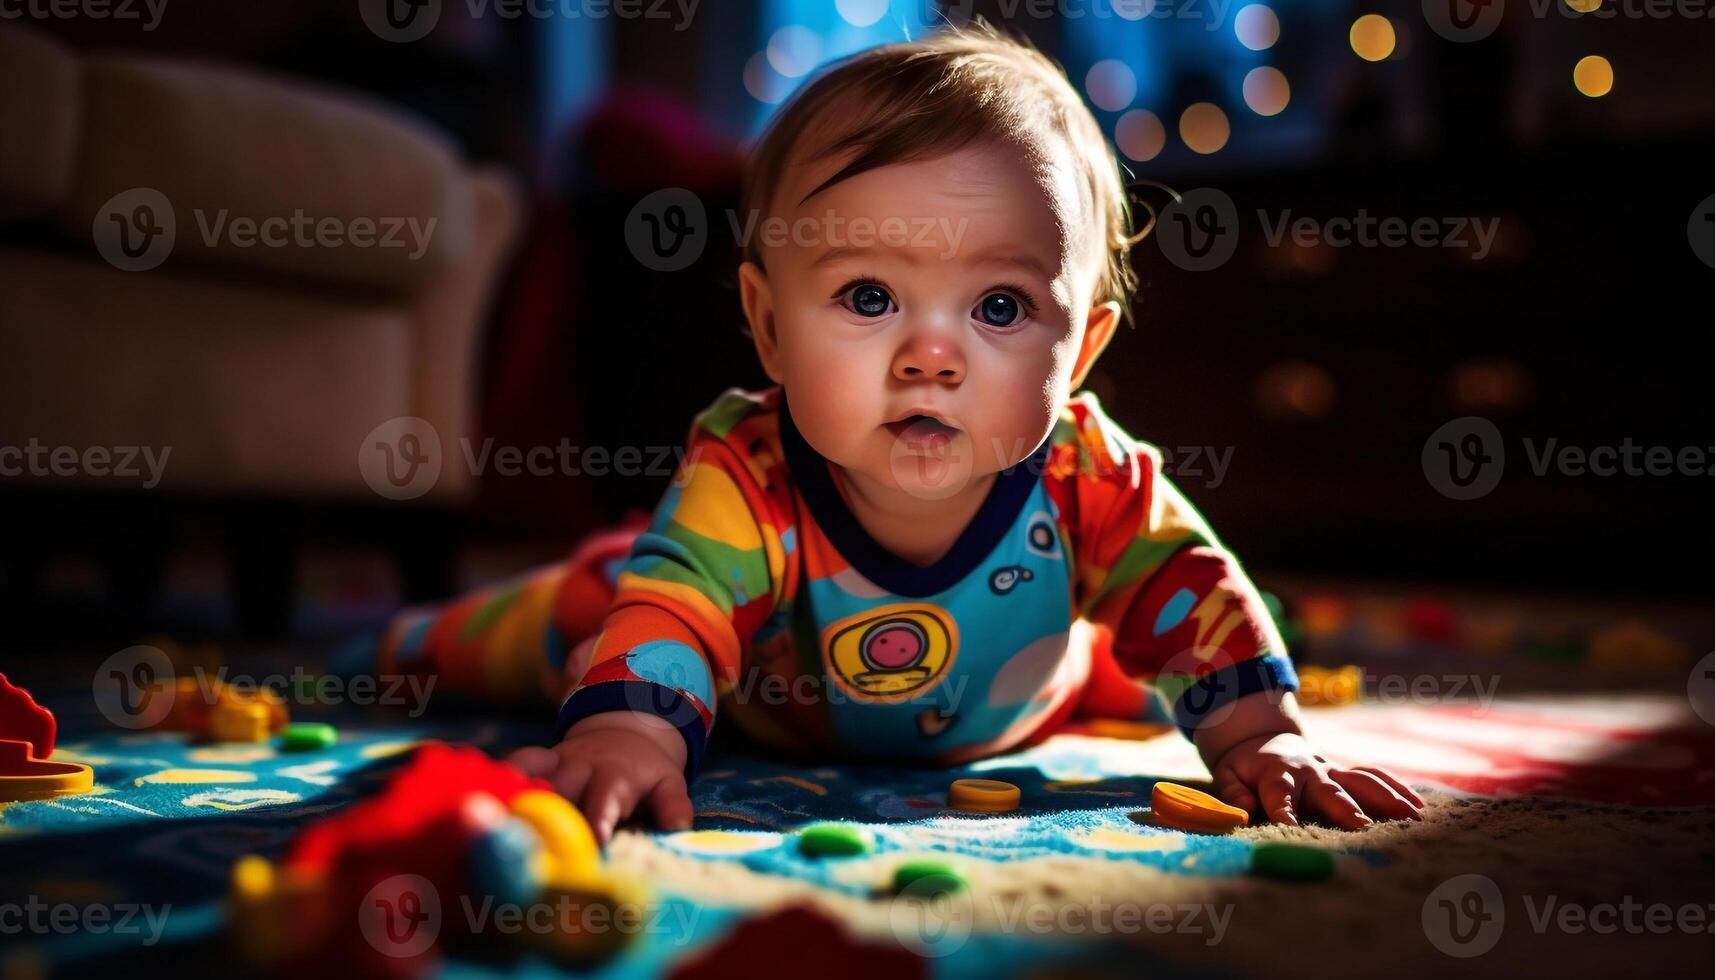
(1006, 497)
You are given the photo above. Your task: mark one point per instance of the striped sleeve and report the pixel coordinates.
(1183, 614)
(696, 585)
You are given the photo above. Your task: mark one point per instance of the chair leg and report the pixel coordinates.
(263, 542)
(424, 544)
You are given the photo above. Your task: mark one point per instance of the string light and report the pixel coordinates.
(1204, 127)
(761, 80)
(794, 50)
(1140, 135)
(861, 13)
(1266, 91)
(1111, 85)
(1593, 75)
(1372, 37)
(1257, 27)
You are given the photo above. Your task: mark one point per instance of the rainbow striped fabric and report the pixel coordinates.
(1086, 584)
(753, 590)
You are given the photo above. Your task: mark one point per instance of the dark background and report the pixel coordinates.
(1324, 370)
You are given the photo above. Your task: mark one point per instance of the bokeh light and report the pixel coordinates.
(1257, 27)
(1489, 384)
(1295, 391)
(1266, 91)
(1584, 6)
(1111, 85)
(1593, 75)
(861, 13)
(1140, 135)
(761, 80)
(1204, 127)
(1133, 9)
(794, 50)
(1372, 37)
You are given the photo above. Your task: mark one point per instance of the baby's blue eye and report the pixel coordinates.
(998, 310)
(869, 299)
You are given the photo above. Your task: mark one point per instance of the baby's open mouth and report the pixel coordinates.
(922, 431)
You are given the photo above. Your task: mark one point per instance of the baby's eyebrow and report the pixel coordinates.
(839, 252)
(1000, 255)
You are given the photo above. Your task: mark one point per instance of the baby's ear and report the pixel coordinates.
(758, 300)
(1098, 330)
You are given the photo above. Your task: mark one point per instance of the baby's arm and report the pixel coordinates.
(1184, 616)
(697, 583)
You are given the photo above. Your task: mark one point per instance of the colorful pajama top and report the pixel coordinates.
(755, 594)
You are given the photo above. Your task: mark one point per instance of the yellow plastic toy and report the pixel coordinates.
(1330, 686)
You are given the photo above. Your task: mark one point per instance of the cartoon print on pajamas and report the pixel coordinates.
(1085, 582)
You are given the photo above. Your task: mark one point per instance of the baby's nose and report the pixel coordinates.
(924, 358)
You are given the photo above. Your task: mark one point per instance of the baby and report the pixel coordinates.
(918, 546)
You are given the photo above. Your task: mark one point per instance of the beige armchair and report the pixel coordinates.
(243, 275)
(330, 265)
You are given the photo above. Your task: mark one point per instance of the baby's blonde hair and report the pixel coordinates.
(930, 97)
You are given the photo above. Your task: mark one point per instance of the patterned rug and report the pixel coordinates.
(1562, 834)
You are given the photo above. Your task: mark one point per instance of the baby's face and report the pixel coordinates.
(955, 288)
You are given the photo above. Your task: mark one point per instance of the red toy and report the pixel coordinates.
(26, 741)
(377, 887)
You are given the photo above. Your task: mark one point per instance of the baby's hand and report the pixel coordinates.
(1286, 775)
(609, 762)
